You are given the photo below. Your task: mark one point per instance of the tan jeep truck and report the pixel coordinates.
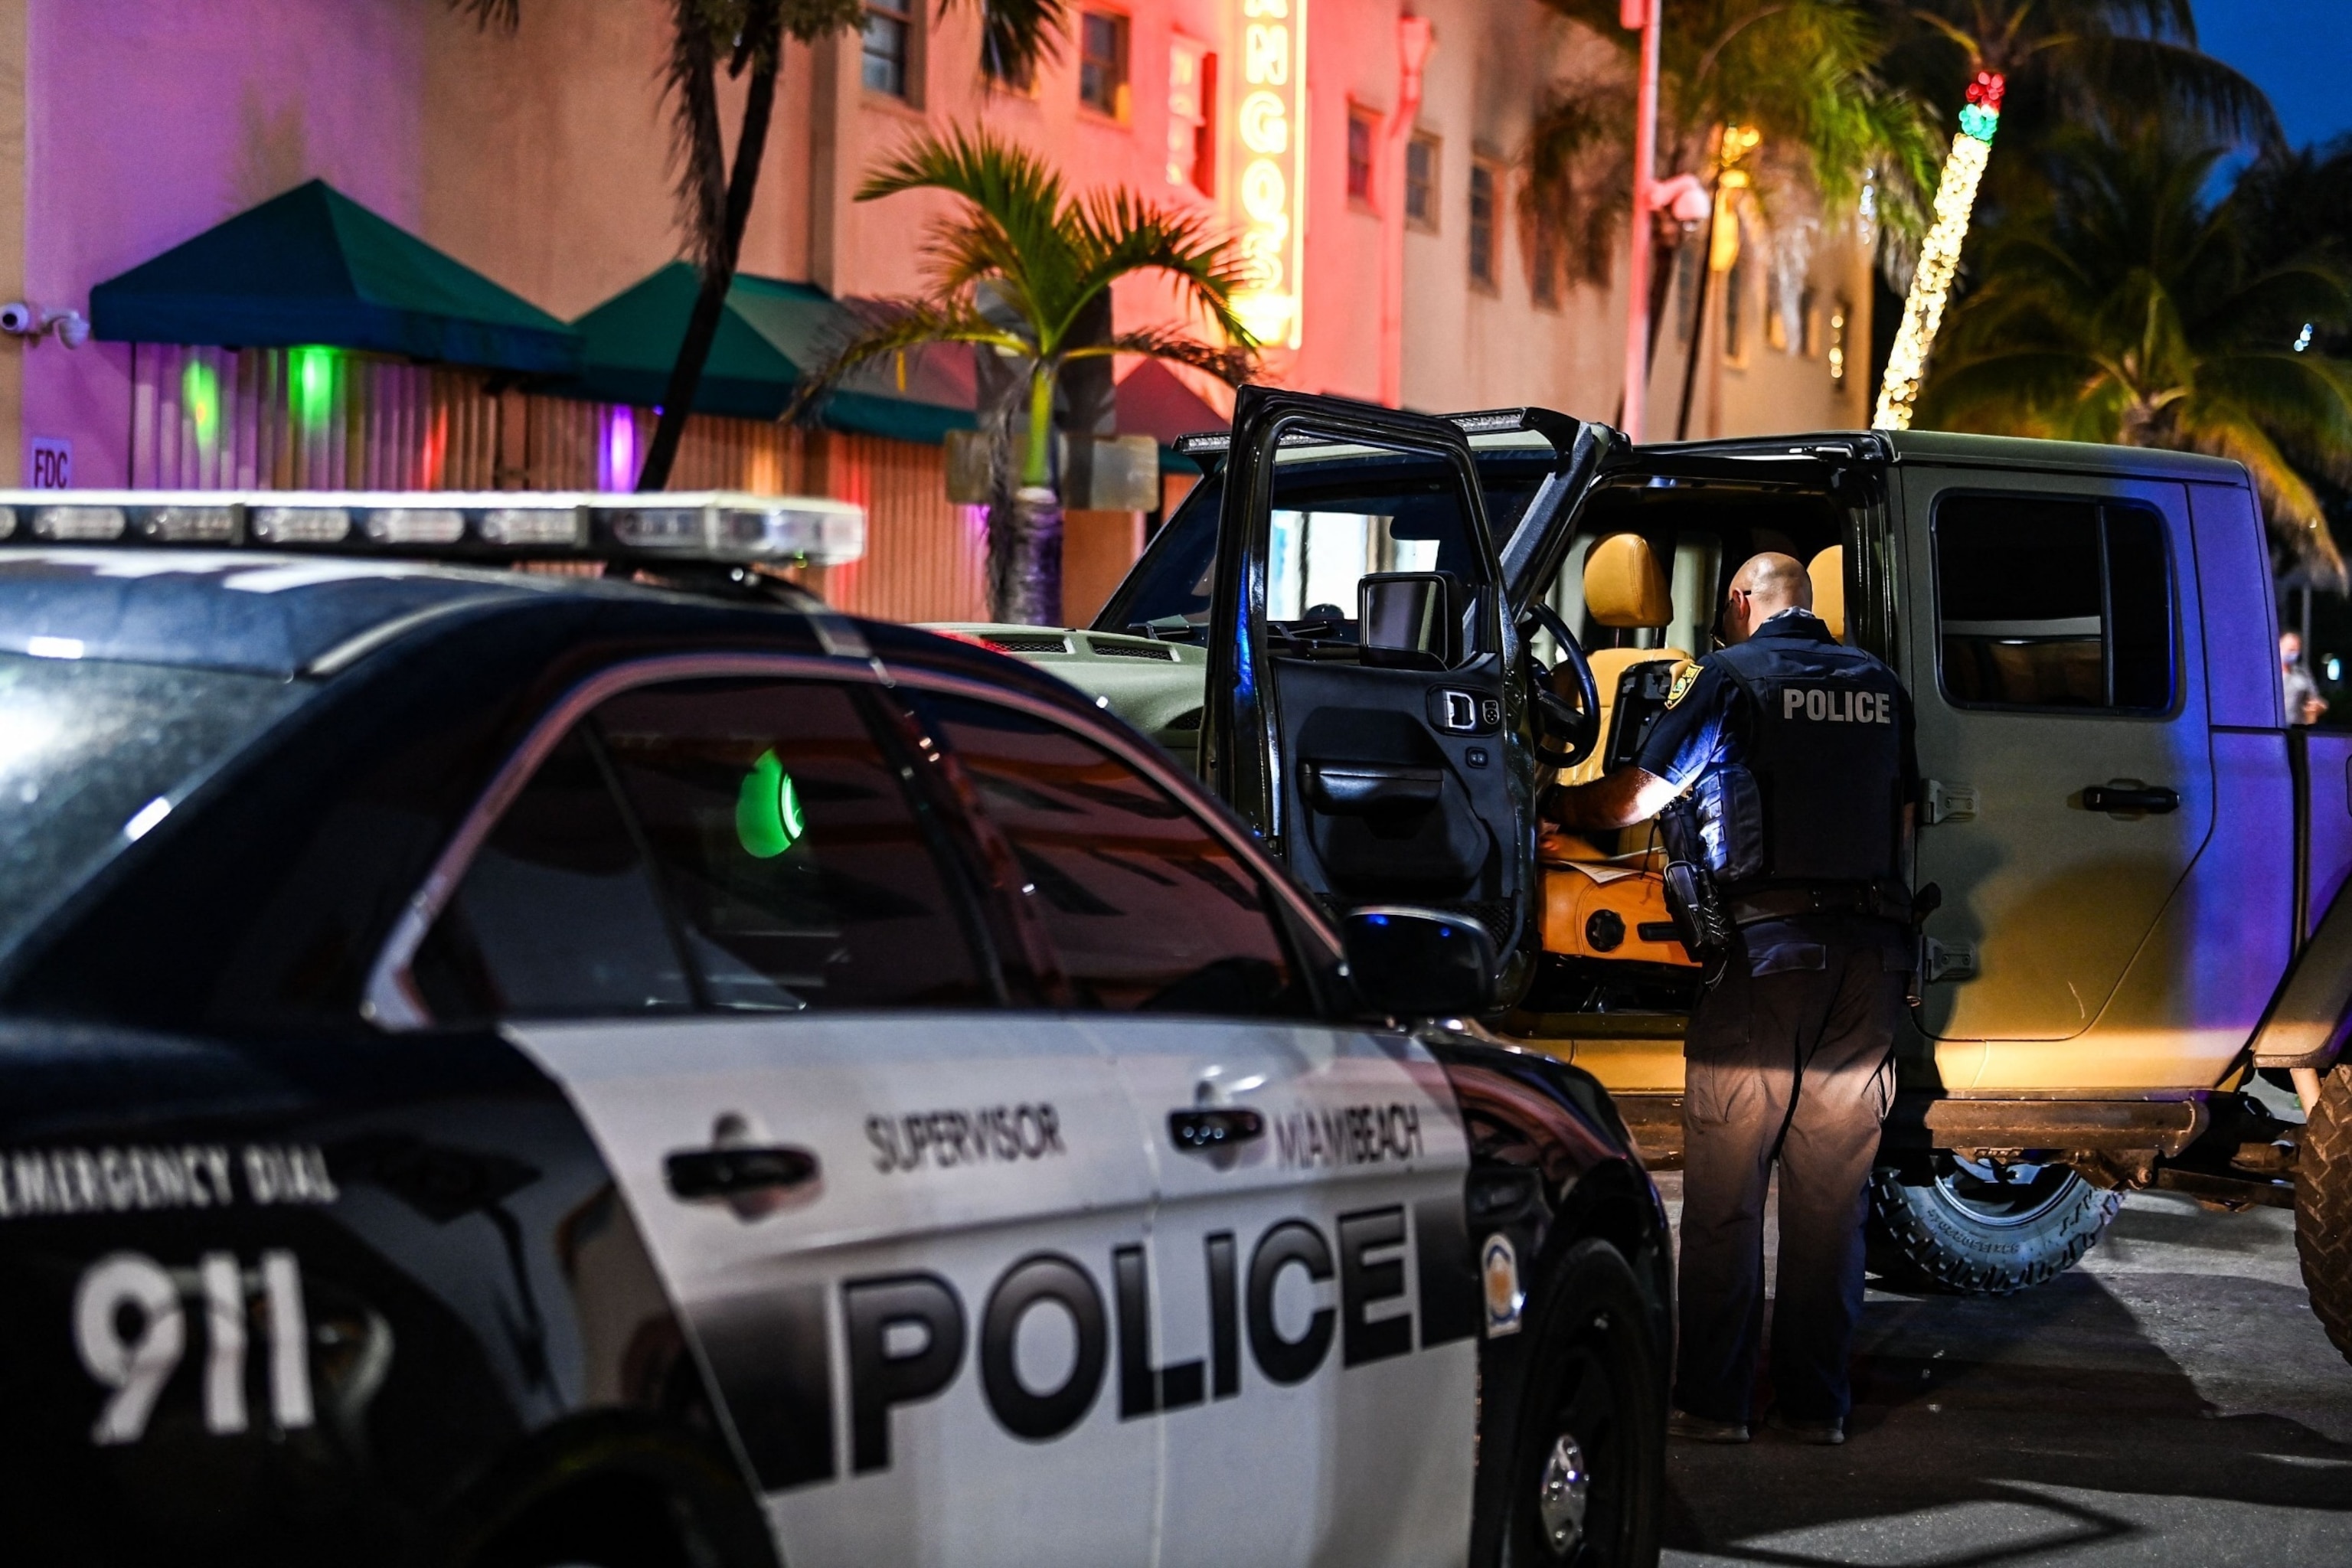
(1379, 636)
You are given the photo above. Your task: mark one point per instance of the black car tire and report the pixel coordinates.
(2323, 1207)
(1942, 1228)
(1596, 1381)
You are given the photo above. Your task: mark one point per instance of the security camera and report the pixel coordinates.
(19, 319)
(70, 326)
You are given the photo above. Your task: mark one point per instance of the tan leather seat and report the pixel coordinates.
(1828, 572)
(1597, 905)
(1625, 589)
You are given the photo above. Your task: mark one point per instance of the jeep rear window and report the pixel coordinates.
(2045, 602)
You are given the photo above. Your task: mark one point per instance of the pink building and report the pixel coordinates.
(1364, 150)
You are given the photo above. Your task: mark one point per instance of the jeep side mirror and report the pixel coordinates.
(1411, 620)
(1419, 963)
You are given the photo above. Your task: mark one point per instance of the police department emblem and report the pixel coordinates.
(1686, 676)
(1498, 1264)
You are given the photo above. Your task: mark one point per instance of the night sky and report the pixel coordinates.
(2298, 51)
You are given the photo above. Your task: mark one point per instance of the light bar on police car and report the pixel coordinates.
(701, 525)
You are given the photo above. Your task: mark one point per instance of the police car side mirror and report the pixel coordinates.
(1419, 963)
(1411, 620)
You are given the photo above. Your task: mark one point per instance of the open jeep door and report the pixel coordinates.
(1360, 710)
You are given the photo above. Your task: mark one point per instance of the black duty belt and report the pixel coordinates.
(1821, 899)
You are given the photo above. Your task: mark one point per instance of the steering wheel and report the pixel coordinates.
(1565, 735)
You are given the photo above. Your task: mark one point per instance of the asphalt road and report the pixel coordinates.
(2171, 1400)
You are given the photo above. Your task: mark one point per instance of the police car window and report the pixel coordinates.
(557, 915)
(800, 871)
(1146, 908)
(2045, 602)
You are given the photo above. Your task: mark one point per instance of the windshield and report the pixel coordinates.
(1334, 521)
(93, 753)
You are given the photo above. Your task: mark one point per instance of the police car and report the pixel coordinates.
(520, 1068)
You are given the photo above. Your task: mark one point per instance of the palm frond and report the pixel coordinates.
(2191, 86)
(893, 326)
(1231, 366)
(1117, 232)
(1017, 36)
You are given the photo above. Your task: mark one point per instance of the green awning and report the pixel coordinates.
(771, 332)
(315, 267)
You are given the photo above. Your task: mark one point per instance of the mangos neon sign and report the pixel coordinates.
(1270, 130)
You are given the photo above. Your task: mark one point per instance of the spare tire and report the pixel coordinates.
(1982, 1229)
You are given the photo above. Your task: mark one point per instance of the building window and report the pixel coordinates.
(1808, 325)
(1102, 63)
(1363, 135)
(1485, 218)
(1192, 116)
(890, 47)
(1421, 183)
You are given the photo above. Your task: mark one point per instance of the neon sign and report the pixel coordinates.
(1270, 126)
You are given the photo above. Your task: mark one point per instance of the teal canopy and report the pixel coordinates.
(315, 267)
(770, 334)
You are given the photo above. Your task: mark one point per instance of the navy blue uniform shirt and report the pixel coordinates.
(1709, 725)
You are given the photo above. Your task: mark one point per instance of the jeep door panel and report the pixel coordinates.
(2018, 636)
(1377, 780)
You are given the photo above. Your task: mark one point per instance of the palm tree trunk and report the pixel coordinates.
(762, 44)
(1025, 557)
(1024, 525)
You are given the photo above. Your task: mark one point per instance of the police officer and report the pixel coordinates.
(1784, 766)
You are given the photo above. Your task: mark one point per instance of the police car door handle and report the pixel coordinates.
(699, 1174)
(1221, 1128)
(2154, 799)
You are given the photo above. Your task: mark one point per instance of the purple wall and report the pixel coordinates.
(148, 120)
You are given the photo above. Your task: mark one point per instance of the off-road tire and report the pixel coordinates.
(2323, 1207)
(1920, 1234)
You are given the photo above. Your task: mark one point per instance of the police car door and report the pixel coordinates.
(888, 1208)
(1299, 1329)
(1380, 763)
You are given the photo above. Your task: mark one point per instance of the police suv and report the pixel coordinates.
(1379, 636)
(504, 1068)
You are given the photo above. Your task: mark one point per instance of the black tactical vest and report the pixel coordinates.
(1812, 791)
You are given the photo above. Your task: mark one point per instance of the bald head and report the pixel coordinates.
(1764, 585)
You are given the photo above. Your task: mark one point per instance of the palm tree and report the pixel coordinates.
(1802, 73)
(2126, 307)
(745, 38)
(2136, 57)
(1017, 272)
(2128, 60)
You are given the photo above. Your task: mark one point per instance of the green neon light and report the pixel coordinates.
(313, 376)
(768, 819)
(200, 395)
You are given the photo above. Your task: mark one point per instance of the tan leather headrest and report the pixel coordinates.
(1828, 572)
(1625, 585)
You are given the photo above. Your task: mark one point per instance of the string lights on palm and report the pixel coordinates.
(1939, 257)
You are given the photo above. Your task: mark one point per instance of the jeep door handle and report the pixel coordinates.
(2154, 799)
(696, 1175)
(1200, 1131)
